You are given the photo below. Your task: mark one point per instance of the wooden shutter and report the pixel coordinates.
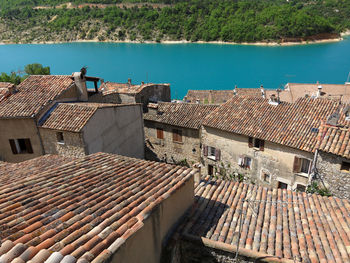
(174, 136)
(13, 146)
(250, 142)
(205, 150)
(160, 134)
(217, 154)
(179, 135)
(297, 165)
(28, 146)
(262, 144)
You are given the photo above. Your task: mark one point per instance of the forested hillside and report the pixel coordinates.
(192, 20)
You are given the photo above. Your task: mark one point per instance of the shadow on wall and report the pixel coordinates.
(200, 220)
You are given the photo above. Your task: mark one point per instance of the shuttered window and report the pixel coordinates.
(177, 135)
(301, 165)
(250, 142)
(160, 133)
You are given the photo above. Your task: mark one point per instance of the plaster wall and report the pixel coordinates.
(332, 177)
(146, 244)
(19, 129)
(276, 160)
(73, 145)
(116, 130)
(166, 149)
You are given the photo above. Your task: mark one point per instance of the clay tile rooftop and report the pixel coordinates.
(187, 115)
(5, 88)
(276, 224)
(84, 210)
(32, 94)
(11, 172)
(123, 88)
(291, 124)
(72, 116)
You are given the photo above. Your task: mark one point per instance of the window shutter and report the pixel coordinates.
(174, 136)
(217, 154)
(297, 165)
(28, 146)
(262, 144)
(205, 150)
(179, 135)
(13, 146)
(250, 142)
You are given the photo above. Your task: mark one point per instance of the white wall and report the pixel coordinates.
(116, 130)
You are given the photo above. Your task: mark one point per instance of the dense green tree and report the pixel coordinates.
(36, 69)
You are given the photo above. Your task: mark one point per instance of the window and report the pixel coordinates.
(60, 138)
(301, 165)
(21, 146)
(177, 135)
(210, 169)
(301, 188)
(160, 133)
(282, 185)
(256, 143)
(345, 166)
(245, 162)
(211, 153)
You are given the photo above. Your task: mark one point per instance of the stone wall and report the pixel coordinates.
(110, 98)
(275, 160)
(331, 175)
(153, 93)
(166, 149)
(73, 145)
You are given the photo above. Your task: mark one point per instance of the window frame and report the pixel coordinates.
(60, 138)
(160, 133)
(177, 136)
(21, 146)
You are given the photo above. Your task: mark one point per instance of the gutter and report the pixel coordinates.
(256, 256)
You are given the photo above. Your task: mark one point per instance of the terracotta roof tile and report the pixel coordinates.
(11, 172)
(32, 94)
(124, 88)
(290, 124)
(82, 210)
(276, 222)
(219, 96)
(186, 115)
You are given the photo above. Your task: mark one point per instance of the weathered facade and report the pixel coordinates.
(333, 158)
(77, 129)
(271, 144)
(110, 92)
(172, 132)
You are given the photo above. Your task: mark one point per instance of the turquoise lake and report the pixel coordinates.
(189, 66)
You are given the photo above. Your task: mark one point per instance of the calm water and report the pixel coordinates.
(189, 66)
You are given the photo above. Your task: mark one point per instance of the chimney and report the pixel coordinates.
(80, 83)
(142, 83)
(12, 89)
(319, 87)
(129, 81)
(262, 91)
(235, 90)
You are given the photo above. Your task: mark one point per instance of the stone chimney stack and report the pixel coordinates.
(80, 82)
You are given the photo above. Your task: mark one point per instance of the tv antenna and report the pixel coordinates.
(348, 79)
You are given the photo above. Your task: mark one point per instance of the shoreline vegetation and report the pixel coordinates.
(240, 22)
(183, 41)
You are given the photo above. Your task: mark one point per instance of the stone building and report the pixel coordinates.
(78, 129)
(262, 225)
(333, 158)
(172, 131)
(111, 92)
(219, 96)
(266, 142)
(99, 208)
(24, 108)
